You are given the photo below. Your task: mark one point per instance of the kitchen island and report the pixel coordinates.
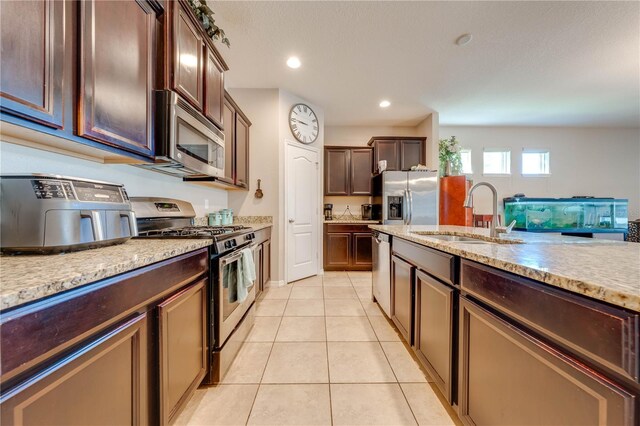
(523, 329)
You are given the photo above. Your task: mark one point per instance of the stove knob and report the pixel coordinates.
(227, 244)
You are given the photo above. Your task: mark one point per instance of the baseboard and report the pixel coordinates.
(273, 283)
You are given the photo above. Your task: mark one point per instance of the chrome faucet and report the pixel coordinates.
(468, 203)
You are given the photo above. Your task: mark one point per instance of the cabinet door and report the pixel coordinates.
(361, 166)
(337, 250)
(412, 153)
(214, 88)
(103, 383)
(509, 377)
(258, 259)
(117, 73)
(433, 329)
(188, 58)
(362, 250)
(401, 295)
(182, 321)
(266, 262)
(242, 152)
(336, 171)
(229, 117)
(386, 150)
(32, 61)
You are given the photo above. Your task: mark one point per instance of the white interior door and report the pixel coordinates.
(301, 211)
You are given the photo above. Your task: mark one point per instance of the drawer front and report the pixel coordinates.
(601, 333)
(436, 263)
(346, 227)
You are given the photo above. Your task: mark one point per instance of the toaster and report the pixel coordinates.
(51, 214)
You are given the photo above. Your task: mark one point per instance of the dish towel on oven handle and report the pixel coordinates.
(246, 274)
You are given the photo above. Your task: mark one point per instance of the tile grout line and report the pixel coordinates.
(266, 363)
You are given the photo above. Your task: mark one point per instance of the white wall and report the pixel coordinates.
(601, 162)
(268, 110)
(138, 182)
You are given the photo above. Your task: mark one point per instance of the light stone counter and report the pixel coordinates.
(604, 270)
(25, 278)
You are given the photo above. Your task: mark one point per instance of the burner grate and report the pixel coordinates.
(192, 231)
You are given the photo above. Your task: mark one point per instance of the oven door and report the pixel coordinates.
(230, 311)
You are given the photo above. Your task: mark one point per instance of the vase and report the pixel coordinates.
(447, 168)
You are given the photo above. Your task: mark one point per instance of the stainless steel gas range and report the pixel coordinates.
(229, 321)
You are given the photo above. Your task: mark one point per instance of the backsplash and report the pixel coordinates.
(243, 220)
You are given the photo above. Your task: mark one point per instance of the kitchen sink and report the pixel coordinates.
(452, 238)
(457, 239)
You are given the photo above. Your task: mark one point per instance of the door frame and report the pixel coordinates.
(288, 145)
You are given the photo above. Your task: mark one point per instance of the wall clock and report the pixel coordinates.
(303, 123)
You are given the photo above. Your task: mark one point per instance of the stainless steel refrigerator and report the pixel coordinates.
(406, 198)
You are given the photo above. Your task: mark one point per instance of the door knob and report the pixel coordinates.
(291, 220)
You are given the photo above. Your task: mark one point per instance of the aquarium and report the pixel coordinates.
(567, 214)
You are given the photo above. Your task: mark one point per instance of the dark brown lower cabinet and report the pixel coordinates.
(509, 377)
(182, 321)
(402, 274)
(433, 333)
(347, 247)
(103, 383)
(266, 263)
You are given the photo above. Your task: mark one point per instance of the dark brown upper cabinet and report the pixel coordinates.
(117, 61)
(401, 153)
(33, 53)
(197, 68)
(336, 171)
(361, 166)
(188, 62)
(236, 144)
(347, 171)
(214, 88)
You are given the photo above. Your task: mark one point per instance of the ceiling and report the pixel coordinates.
(529, 64)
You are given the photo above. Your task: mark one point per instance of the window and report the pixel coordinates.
(535, 162)
(496, 162)
(465, 157)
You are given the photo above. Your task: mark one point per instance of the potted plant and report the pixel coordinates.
(449, 154)
(204, 13)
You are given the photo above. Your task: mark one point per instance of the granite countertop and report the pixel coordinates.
(258, 226)
(26, 278)
(600, 269)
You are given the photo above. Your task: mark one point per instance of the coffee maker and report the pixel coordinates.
(328, 212)
(366, 212)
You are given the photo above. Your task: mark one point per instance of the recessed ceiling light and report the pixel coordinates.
(464, 39)
(384, 104)
(293, 62)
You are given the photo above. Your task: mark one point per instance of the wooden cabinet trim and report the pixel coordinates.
(51, 111)
(168, 411)
(20, 398)
(576, 323)
(395, 138)
(615, 405)
(80, 313)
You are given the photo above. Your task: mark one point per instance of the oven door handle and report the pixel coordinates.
(230, 259)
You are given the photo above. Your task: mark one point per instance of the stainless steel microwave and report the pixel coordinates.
(187, 144)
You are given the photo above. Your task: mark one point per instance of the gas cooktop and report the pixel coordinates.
(197, 232)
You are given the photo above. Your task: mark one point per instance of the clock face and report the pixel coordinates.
(303, 123)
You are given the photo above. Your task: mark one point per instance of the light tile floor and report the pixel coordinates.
(320, 353)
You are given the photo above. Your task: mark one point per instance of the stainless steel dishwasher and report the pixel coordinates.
(382, 270)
